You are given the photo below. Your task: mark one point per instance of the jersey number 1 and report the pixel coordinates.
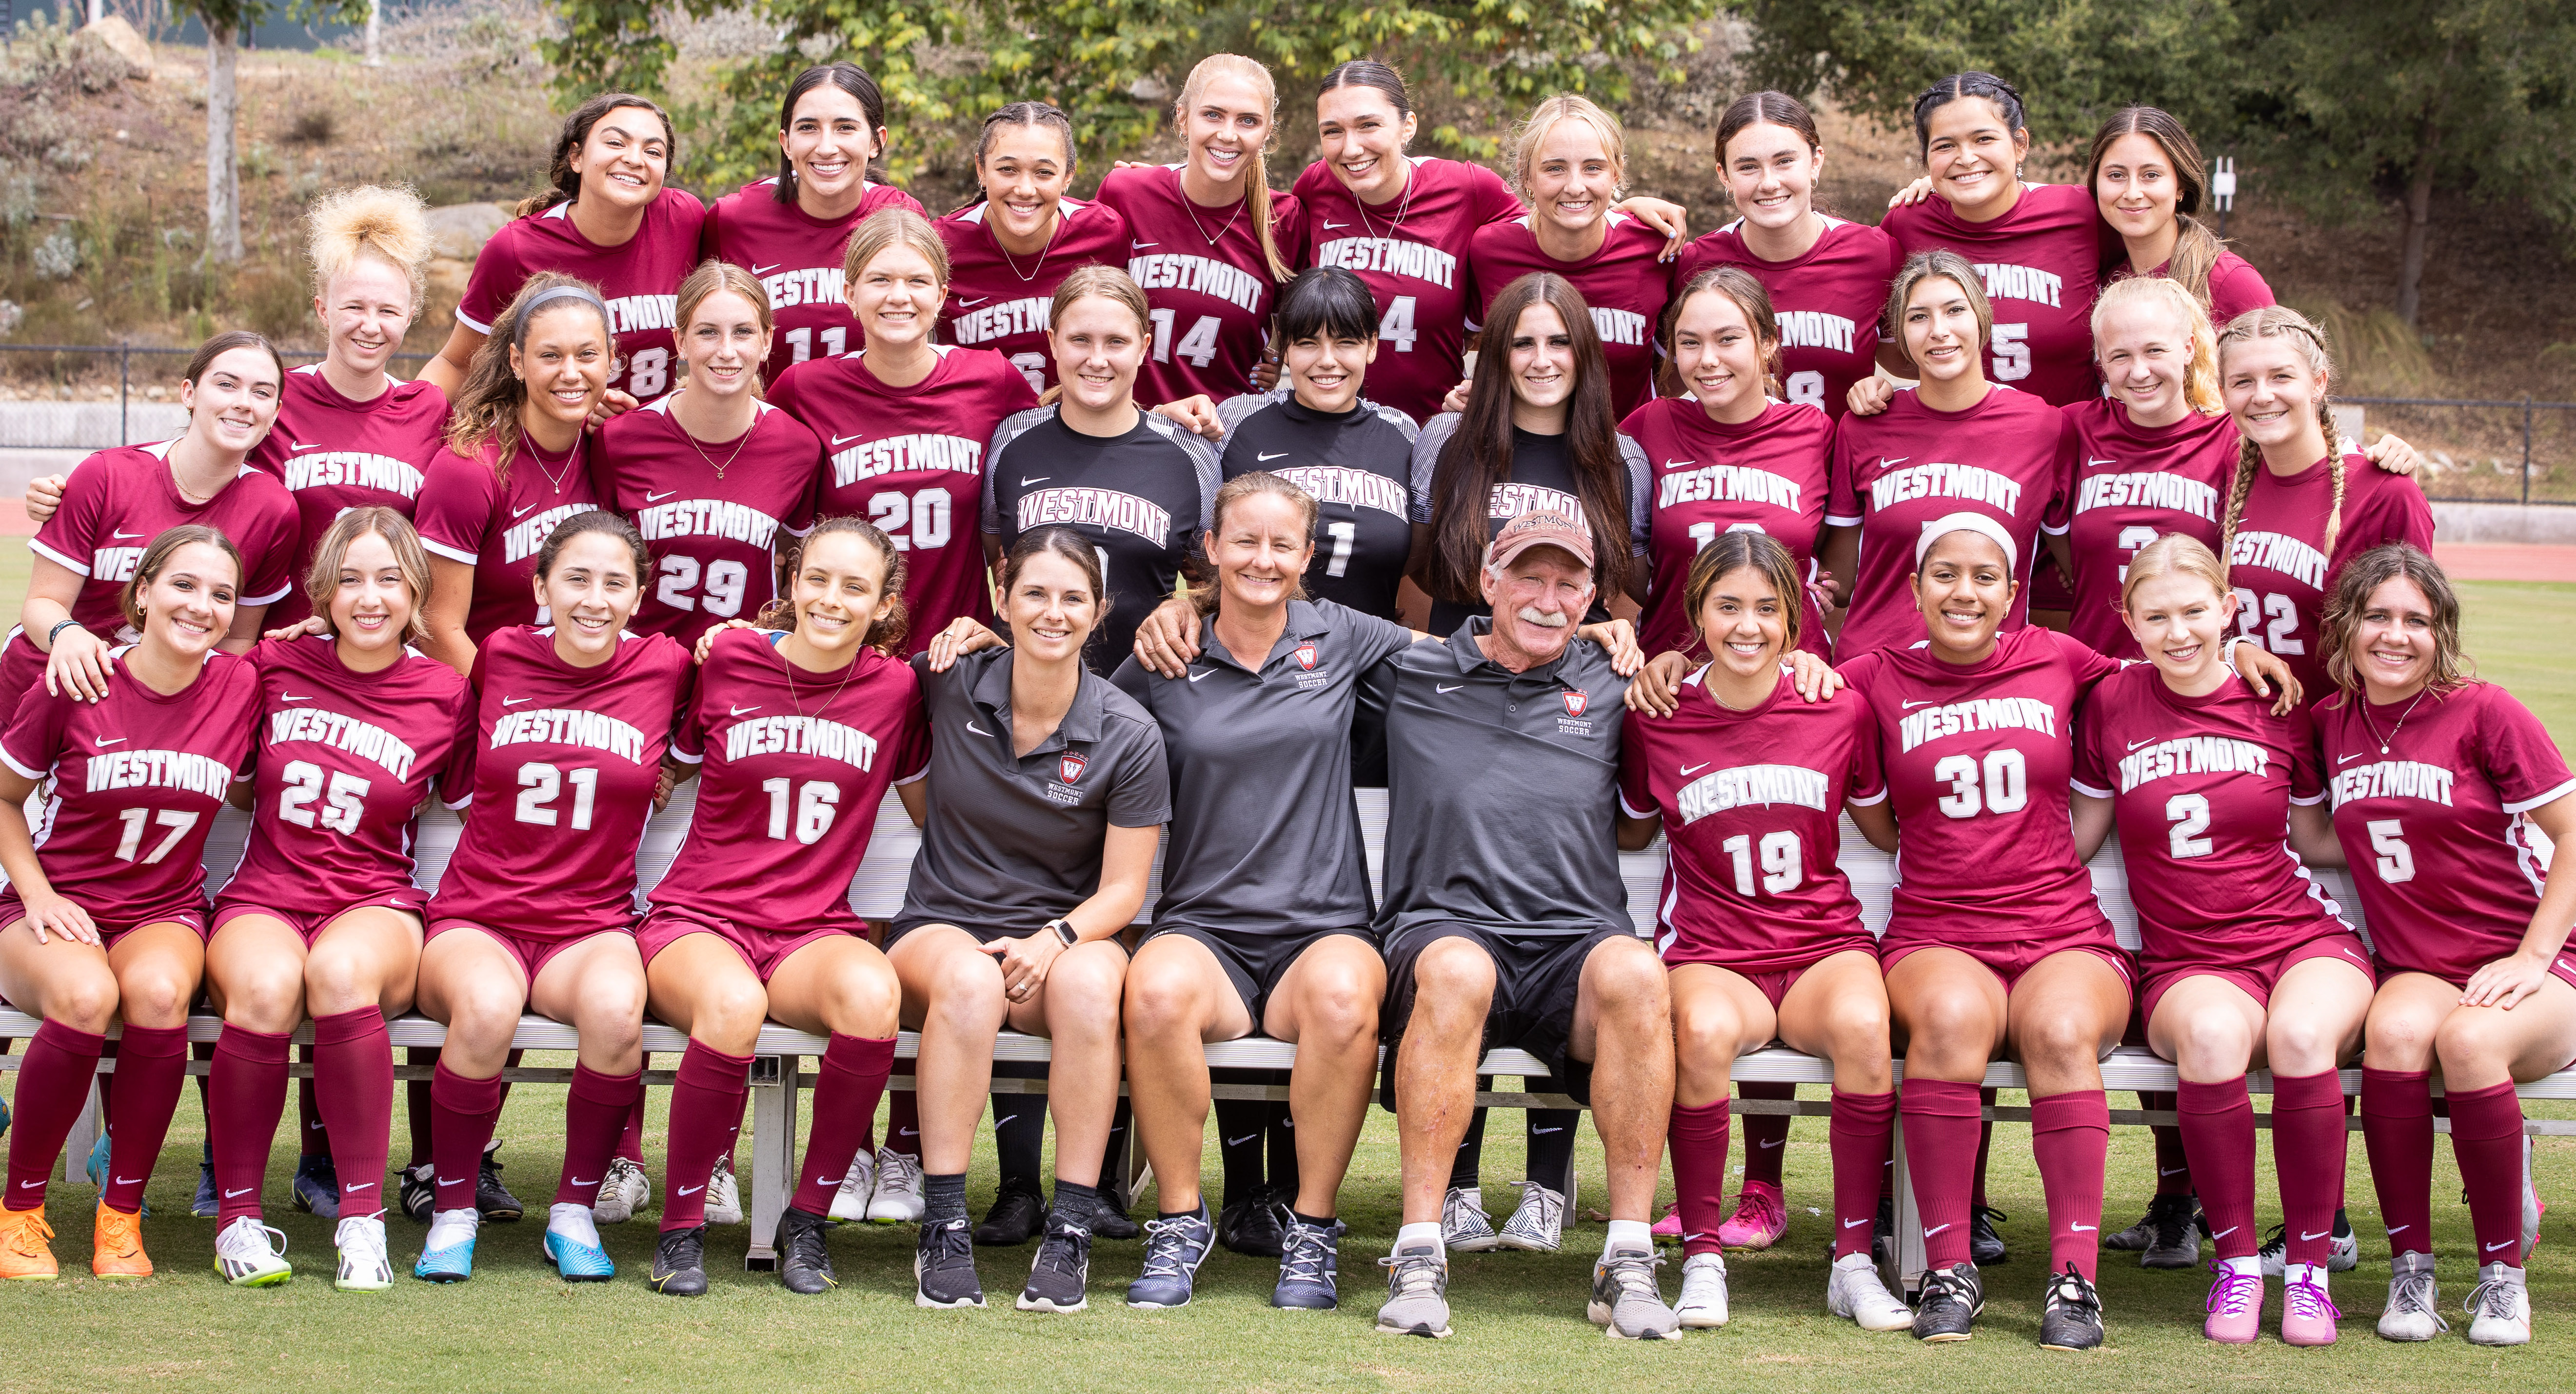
(1198, 346)
(817, 803)
(540, 783)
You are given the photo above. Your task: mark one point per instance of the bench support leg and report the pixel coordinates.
(1909, 1225)
(773, 1153)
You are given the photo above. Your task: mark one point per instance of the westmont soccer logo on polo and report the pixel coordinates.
(1306, 655)
(1575, 702)
(1068, 766)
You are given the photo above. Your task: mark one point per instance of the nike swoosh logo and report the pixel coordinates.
(1247, 1137)
(765, 270)
(1041, 479)
(579, 1182)
(1448, 689)
(1134, 244)
(2321, 1234)
(1689, 770)
(305, 445)
(963, 302)
(2345, 759)
(1688, 1237)
(1854, 1224)
(737, 711)
(31, 1183)
(137, 1181)
(2079, 1229)
(2354, 957)
(2231, 1229)
(246, 1190)
(1909, 706)
(909, 1132)
(1203, 672)
(1270, 455)
(514, 701)
(360, 1185)
(1676, 464)
(1884, 462)
(1535, 1131)
(2171, 1171)
(2151, 740)
(2392, 1229)
(118, 741)
(521, 512)
(459, 1181)
(291, 697)
(651, 497)
(839, 441)
(1000, 1121)
(2491, 1248)
(978, 730)
(1329, 224)
(1936, 1229)
(2088, 464)
(123, 535)
(691, 1190)
(833, 1181)
(1773, 1142)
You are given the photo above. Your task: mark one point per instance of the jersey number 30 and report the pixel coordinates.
(2006, 790)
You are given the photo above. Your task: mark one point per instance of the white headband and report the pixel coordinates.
(1978, 523)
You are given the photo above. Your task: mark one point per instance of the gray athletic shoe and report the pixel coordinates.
(1537, 1224)
(1174, 1249)
(1626, 1303)
(2499, 1307)
(1465, 1228)
(1060, 1276)
(2412, 1313)
(1417, 1293)
(1309, 1267)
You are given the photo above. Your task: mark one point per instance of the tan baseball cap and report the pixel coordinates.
(1541, 529)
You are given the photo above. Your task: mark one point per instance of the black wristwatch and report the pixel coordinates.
(1062, 929)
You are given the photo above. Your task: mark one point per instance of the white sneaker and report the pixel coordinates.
(623, 1193)
(2532, 1204)
(2499, 1308)
(246, 1257)
(1537, 1224)
(1702, 1304)
(1465, 1228)
(851, 1201)
(2411, 1313)
(364, 1265)
(1853, 1289)
(897, 1199)
(724, 1198)
(2343, 1252)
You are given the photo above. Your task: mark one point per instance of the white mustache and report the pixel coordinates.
(1535, 615)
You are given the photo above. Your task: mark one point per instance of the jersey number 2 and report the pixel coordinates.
(540, 783)
(725, 582)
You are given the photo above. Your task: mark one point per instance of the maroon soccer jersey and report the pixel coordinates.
(563, 776)
(1000, 301)
(1768, 475)
(2129, 485)
(335, 454)
(1828, 302)
(469, 514)
(1623, 284)
(2234, 285)
(1911, 465)
(2040, 272)
(1204, 277)
(2280, 576)
(640, 281)
(2448, 868)
(1752, 804)
(1978, 758)
(1413, 254)
(798, 259)
(346, 763)
(2201, 788)
(911, 461)
(794, 766)
(714, 535)
(130, 785)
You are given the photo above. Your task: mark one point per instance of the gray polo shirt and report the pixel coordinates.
(1265, 839)
(1011, 842)
(1502, 791)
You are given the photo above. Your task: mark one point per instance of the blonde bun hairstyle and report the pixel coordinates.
(389, 224)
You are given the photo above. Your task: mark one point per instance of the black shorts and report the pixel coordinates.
(1536, 981)
(1255, 963)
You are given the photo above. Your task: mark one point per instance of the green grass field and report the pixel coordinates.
(1518, 1316)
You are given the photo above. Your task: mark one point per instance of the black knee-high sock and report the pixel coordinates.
(1470, 1163)
(1284, 1175)
(1019, 1127)
(1242, 1127)
(1551, 1144)
(1113, 1159)
(1985, 1144)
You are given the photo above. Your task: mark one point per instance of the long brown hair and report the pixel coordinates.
(563, 182)
(488, 401)
(2391, 561)
(2196, 248)
(887, 633)
(1256, 184)
(2281, 322)
(1750, 295)
(1479, 455)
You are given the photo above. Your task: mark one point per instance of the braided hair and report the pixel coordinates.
(2282, 322)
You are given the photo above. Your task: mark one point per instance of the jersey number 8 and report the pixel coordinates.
(2007, 784)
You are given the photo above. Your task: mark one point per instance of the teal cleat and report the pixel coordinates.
(579, 1262)
(453, 1264)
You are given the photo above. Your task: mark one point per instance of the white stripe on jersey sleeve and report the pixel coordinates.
(77, 568)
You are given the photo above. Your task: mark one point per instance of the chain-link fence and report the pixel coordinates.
(2483, 452)
(92, 396)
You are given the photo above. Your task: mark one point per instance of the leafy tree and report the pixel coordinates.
(224, 21)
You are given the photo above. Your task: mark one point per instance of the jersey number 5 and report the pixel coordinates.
(2388, 839)
(340, 812)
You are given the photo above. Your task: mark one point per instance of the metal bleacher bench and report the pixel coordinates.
(876, 891)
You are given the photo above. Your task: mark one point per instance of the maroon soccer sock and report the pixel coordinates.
(594, 1113)
(2307, 1153)
(630, 1142)
(246, 1094)
(53, 1083)
(153, 1063)
(1698, 1140)
(2486, 1137)
(2397, 1137)
(1858, 1137)
(1766, 1135)
(353, 1096)
(845, 1113)
(903, 1122)
(2173, 1159)
(464, 1111)
(2070, 1134)
(2218, 1130)
(706, 1114)
(1940, 1159)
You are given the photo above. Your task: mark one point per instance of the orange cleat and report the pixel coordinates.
(119, 1252)
(24, 1255)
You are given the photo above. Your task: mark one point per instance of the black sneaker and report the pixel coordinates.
(804, 1264)
(1060, 1278)
(1109, 1217)
(2070, 1317)
(317, 1186)
(943, 1267)
(1882, 1235)
(1309, 1267)
(1018, 1212)
(204, 1206)
(2173, 1241)
(491, 1197)
(1254, 1225)
(680, 1262)
(1985, 1246)
(1952, 1298)
(419, 1192)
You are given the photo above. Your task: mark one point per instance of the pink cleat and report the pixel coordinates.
(1760, 1218)
(1669, 1227)
(2307, 1314)
(2236, 1307)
